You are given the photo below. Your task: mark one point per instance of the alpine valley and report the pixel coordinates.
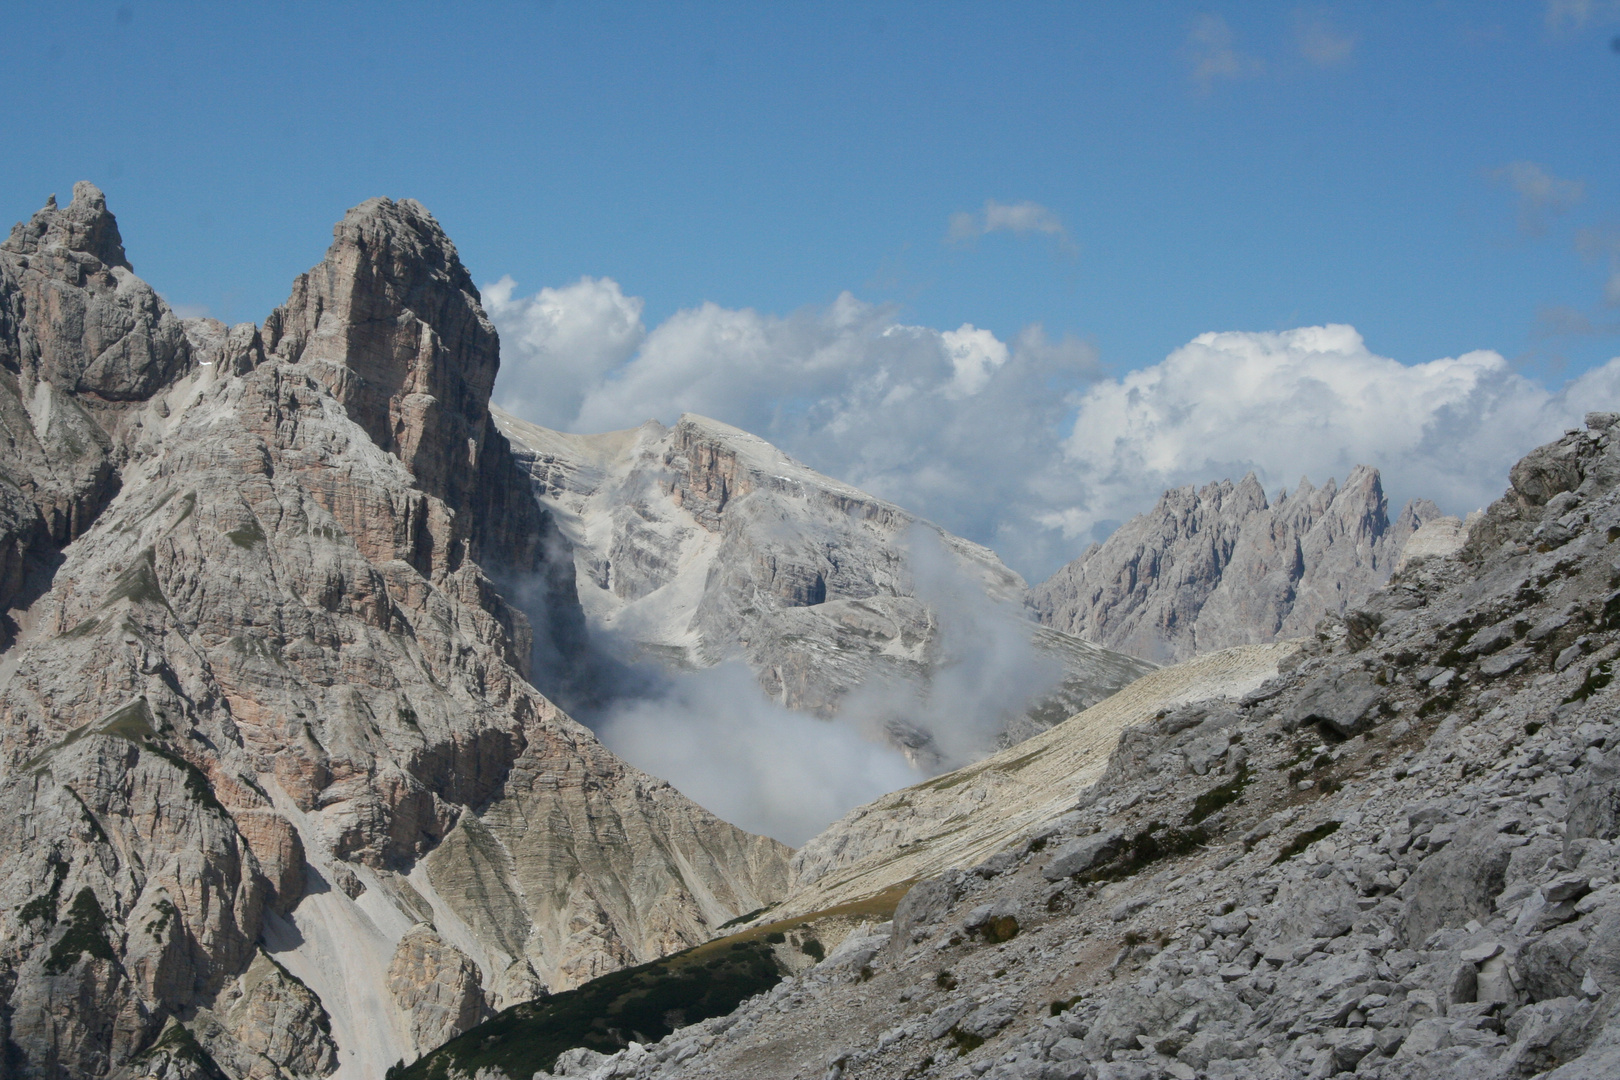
(289, 787)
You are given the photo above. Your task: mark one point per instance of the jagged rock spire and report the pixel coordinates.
(396, 324)
(86, 226)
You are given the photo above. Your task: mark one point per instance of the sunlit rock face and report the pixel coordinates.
(699, 543)
(271, 762)
(1218, 566)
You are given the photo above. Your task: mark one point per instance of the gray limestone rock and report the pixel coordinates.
(1345, 702)
(1078, 856)
(700, 543)
(1220, 566)
(1456, 884)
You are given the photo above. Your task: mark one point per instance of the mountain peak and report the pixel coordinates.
(393, 324)
(84, 225)
(1221, 567)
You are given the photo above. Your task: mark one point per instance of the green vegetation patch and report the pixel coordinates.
(750, 917)
(1155, 842)
(1219, 797)
(86, 933)
(1018, 763)
(83, 629)
(642, 1003)
(951, 779)
(1441, 702)
(1000, 929)
(1305, 840)
(247, 536)
(44, 906)
(166, 911)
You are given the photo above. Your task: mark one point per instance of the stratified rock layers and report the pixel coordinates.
(1218, 566)
(264, 663)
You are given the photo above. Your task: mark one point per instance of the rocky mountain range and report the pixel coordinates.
(286, 791)
(699, 543)
(1217, 566)
(1388, 851)
(278, 795)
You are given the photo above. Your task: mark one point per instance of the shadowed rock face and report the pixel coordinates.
(391, 325)
(268, 706)
(1219, 566)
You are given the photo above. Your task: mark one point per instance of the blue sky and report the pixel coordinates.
(1444, 177)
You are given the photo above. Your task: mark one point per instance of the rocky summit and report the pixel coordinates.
(277, 796)
(1217, 566)
(1396, 856)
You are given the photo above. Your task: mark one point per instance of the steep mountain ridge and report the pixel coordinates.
(276, 794)
(1217, 566)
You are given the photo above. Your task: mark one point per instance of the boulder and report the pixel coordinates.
(1455, 884)
(1078, 856)
(924, 904)
(1344, 703)
(1594, 799)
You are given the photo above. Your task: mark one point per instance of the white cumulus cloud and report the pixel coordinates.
(1021, 444)
(1314, 401)
(559, 344)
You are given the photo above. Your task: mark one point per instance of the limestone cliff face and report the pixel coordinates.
(700, 542)
(267, 707)
(84, 347)
(1219, 566)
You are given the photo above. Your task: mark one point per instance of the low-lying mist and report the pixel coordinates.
(723, 742)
